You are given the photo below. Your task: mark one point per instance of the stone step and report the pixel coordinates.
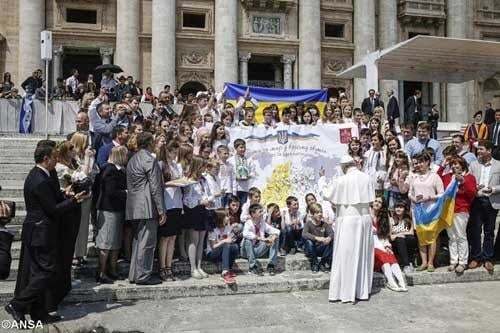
(88, 291)
(16, 167)
(8, 152)
(12, 183)
(11, 191)
(13, 160)
(287, 281)
(297, 262)
(13, 175)
(18, 219)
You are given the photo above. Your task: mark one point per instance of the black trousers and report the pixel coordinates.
(482, 219)
(405, 249)
(37, 269)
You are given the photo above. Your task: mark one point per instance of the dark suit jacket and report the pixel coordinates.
(113, 193)
(43, 199)
(392, 108)
(103, 154)
(412, 109)
(489, 116)
(366, 106)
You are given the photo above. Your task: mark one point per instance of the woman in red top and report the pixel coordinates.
(459, 248)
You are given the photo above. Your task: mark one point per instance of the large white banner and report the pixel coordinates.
(288, 159)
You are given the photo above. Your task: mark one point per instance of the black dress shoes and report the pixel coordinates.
(18, 316)
(49, 319)
(149, 282)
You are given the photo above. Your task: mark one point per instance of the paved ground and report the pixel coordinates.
(467, 307)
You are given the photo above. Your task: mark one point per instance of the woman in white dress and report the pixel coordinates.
(352, 264)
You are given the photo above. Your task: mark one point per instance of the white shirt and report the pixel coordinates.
(375, 166)
(72, 82)
(193, 195)
(243, 185)
(485, 174)
(226, 177)
(217, 235)
(44, 170)
(250, 230)
(211, 187)
(289, 219)
(173, 195)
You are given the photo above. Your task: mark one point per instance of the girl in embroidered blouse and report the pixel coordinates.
(194, 216)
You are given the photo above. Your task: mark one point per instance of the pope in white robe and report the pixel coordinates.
(352, 264)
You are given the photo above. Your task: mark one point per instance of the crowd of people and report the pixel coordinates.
(173, 185)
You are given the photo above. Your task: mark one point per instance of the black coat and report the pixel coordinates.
(366, 106)
(392, 108)
(489, 116)
(113, 189)
(413, 110)
(42, 248)
(5, 256)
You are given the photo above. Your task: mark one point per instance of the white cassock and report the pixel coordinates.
(352, 264)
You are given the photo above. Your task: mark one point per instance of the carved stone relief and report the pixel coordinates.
(195, 58)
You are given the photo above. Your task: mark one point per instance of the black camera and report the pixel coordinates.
(12, 210)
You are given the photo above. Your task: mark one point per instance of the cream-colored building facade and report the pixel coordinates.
(194, 44)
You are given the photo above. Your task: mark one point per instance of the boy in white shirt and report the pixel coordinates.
(226, 174)
(254, 195)
(255, 244)
(292, 224)
(244, 170)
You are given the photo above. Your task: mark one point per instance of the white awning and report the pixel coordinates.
(432, 59)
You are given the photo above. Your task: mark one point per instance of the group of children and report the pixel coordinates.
(220, 206)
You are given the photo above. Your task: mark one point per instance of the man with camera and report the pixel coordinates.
(7, 211)
(39, 262)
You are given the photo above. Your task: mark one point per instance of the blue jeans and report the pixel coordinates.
(291, 238)
(226, 253)
(258, 250)
(315, 249)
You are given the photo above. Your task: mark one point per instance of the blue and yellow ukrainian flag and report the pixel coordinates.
(432, 219)
(281, 97)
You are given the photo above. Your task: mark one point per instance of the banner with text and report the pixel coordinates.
(288, 159)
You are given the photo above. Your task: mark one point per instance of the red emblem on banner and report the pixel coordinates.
(345, 135)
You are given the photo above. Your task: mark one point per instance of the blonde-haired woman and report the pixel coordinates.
(111, 214)
(86, 172)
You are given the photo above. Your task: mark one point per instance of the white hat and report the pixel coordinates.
(346, 159)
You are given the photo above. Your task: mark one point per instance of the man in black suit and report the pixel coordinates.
(413, 109)
(392, 109)
(370, 103)
(489, 115)
(494, 133)
(38, 266)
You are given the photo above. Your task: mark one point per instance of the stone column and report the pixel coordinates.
(388, 36)
(226, 43)
(278, 76)
(310, 44)
(288, 61)
(244, 57)
(106, 55)
(163, 45)
(57, 65)
(457, 98)
(31, 23)
(127, 36)
(364, 41)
